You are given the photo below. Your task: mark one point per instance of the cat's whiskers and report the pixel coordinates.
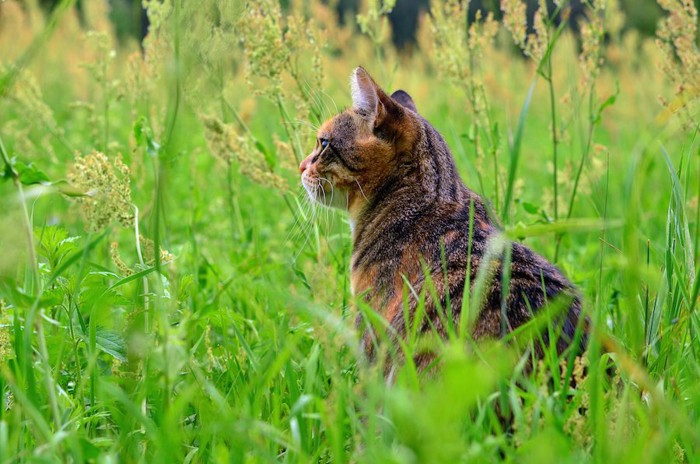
(298, 123)
(324, 179)
(304, 221)
(297, 230)
(314, 205)
(361, 191)
(308, 226)
(313, 94)
(335, 106)
(314, 195)
(318, 96)
(325, 200)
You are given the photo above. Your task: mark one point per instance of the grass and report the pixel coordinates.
(238, 344)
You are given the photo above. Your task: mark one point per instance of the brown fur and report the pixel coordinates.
(396, 176)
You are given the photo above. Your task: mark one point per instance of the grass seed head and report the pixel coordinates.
(117, 260)
(226, 144)
(107, 190)
(6, 350)
(27, 95)
(592, 37)
(534, 44)
(265, 50)
(515, 20)
(677, 39)
(148, 248)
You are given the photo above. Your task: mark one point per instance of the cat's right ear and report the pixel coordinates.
(369, 100)
(365, 100)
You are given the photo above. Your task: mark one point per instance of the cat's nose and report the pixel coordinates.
(304, 164)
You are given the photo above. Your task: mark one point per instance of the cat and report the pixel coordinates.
(410, 211)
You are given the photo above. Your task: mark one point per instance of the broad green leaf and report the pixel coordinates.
(107, 341)
(30, 174)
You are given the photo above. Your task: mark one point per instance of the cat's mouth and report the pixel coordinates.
(322, 190)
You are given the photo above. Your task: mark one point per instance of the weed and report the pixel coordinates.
(238, 343)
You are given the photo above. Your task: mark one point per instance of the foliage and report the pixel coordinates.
(167, 292)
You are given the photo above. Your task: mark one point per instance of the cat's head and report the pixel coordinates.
(358, 150)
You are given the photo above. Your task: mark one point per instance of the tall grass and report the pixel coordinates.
(175, 297)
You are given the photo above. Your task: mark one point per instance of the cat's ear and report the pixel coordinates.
(368, 99)
(404, 99)
(365, 100)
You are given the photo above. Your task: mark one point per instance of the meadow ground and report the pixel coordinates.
(169, 294)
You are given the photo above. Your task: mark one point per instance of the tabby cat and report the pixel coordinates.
(410, 215)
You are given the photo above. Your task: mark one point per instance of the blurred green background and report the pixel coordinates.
(169, 294)
(130, 19)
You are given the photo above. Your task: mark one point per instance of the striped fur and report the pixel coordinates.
(395, 175)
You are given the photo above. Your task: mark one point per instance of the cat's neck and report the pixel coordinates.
(427, 181)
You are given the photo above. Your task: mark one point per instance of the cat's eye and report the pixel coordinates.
(324, 143)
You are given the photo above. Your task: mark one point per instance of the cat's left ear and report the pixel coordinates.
(404, 100)
(368, 99)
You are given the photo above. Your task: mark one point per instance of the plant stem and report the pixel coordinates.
(27, 220)
(50, 389)
(555, 141)
(105, 96)
(143, 264)
(697, 219)
(579, 171)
